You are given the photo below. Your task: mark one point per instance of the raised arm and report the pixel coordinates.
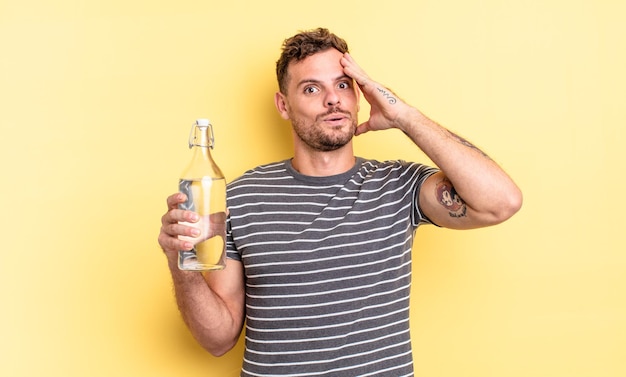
(211, 304)
(471, 190)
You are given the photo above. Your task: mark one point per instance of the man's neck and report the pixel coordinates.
(323, 164)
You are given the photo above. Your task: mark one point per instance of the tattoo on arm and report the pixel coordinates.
(448, 197)
(387, 94)
(466, 143)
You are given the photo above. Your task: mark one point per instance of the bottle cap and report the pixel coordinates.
(202, 122)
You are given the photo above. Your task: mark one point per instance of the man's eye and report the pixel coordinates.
(344, 85)
(310, 90)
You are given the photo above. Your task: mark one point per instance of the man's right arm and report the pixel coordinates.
(212, 304)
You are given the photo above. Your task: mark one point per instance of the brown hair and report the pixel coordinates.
(302, 45)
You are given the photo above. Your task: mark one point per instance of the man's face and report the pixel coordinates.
(321, 101)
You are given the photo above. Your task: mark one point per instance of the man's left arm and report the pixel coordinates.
(471, 190)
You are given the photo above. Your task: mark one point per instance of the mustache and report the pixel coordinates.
(335, 110)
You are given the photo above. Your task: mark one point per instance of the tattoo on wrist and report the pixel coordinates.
(450, 199)
(466, 143)
(387, 94)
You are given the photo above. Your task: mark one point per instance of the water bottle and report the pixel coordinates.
(204, 184)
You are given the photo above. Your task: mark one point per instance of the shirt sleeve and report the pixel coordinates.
(419, 218)
(231, 248)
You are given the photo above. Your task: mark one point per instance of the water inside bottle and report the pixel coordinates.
(207, 197)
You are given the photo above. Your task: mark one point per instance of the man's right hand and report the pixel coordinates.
(171, 228)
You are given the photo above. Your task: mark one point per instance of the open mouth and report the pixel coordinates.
(335, 117)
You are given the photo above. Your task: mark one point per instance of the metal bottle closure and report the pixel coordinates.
(193, 137)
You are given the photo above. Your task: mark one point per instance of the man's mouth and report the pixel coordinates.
(335, 117)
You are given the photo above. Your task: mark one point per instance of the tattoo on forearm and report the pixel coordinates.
(466, 143)
(448, 197)
(387, 94)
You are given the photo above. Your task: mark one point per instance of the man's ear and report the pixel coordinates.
(281, 105)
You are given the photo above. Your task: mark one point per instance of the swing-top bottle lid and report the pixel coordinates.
(202, 122)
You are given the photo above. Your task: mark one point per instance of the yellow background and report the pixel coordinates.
(96, 101)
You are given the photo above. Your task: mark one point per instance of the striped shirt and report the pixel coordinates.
(327, 265)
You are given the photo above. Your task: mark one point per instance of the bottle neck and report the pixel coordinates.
(202, 137)
(202, 164)
(201, 144)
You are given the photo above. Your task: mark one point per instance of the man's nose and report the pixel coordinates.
(332, 98)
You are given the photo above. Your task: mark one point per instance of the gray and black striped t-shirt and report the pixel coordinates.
(327, 266)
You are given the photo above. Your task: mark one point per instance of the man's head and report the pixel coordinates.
(302, 45)
(316, 94)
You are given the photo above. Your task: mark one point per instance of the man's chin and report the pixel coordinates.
(333, 145)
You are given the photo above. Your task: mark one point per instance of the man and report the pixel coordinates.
(319, 246)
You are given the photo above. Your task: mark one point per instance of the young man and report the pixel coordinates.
(319, 246)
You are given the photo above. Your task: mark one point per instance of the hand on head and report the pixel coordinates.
(386, 108)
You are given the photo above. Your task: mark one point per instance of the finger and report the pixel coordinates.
(362, 128)
(171, 228)
(352, 69)
(178, 236)
(173, 244)
(180, 229)
(371, 89)
(175, 199)
(175, 215)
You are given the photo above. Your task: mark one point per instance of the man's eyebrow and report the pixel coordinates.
(307, 81)
(315, 81)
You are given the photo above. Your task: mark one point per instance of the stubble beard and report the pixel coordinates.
(321, 138)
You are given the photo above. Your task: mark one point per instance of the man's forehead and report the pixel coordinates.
(322, 66)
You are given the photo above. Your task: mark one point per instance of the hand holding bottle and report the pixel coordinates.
(183, 229)
(173, 228)
(205, 227)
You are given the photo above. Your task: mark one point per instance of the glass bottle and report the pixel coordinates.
(205, 186)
